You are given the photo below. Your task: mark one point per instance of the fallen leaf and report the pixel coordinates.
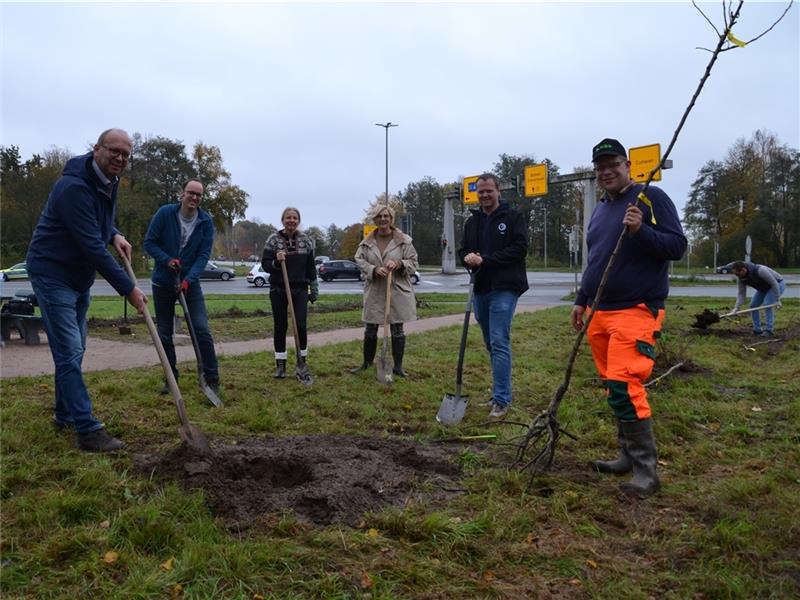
(366, 580)
(591, 563)
(663, 463)
(177, 591)
(407, 406)
(531, 539)
(756, 409)
(105, 524)
(488, 576)
(168, 564)
(110, 557)
(258, 597)
(372, 532)
(575, 582)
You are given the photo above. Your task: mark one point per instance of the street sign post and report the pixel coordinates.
(643, 160)
(469, 190)
(536, 180)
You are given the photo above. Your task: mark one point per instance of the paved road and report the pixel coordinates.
(550, 286)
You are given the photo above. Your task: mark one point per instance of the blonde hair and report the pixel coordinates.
(379, 209)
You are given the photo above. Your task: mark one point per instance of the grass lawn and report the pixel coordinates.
(247, 317)
(725, 524)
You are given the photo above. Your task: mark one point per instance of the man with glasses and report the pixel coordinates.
(622, 334)
(179, 239)
(494, 247)
(69, 245)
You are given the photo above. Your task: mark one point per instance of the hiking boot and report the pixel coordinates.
(766, 334)
(99, 441)
(280, 368)
(757, 332)
(498, 411)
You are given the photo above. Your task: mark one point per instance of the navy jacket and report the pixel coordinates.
(639, 274)
(70, 242)
(501, 238)
(163, 242)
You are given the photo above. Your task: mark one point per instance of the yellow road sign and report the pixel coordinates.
(369, 229)
(469, 190)
(536, 180)
(643, 160)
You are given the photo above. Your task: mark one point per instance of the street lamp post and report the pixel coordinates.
(386, 127)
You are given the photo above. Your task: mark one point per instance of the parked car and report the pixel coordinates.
(258, 276)
(18, 271)
(415, 278)
(339, 269)
(212, 271)
(318, 260)
(724, 269)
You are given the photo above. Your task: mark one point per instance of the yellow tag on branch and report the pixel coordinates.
(734, 40)
(645, 200)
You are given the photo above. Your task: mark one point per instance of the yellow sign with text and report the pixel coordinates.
(643, 160)
(536, 180)
(469, 190)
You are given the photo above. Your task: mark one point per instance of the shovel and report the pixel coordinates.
(454, 405)
(189, 433)
(709, 317)
(301, 370)
(201, 378)
(384, 369)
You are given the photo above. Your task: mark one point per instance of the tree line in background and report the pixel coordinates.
(754, 190)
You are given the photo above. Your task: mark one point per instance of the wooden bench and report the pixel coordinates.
(28, 327)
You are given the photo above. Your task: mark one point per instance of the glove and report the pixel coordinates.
(185, 286)
(314, 293)
(174, 264)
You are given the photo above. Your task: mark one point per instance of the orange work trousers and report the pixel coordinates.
(623, 348)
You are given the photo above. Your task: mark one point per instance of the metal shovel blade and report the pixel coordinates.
(383, 367)
(209, 391)
(452, 409)
(194, 438)
(303, 374)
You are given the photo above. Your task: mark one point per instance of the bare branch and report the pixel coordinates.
(710, 22)
(660, 377)
(765, 32)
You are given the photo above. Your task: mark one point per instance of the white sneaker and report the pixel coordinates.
(498, 411)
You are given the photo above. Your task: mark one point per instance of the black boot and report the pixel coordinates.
(621, 464)
(398, 349)
(280, 371)
(641, 444)
(370, 347)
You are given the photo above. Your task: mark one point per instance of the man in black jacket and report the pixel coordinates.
(494, 245)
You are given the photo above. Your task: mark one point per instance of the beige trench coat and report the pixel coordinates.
(368, 257)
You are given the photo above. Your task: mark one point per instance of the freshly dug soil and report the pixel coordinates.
(324, 479)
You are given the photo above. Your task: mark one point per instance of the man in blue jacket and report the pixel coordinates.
(494, 246)
(622, 334)
(179, 239)
(69, 245)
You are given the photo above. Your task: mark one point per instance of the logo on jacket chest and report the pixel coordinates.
(501, 227)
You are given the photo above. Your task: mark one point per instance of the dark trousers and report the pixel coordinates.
(164, 298)
(280, 316)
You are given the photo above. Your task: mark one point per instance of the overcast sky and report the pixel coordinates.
(291, 93)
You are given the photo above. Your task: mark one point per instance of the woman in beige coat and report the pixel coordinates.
(385, 250)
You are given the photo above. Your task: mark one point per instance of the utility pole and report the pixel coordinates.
(386, 127)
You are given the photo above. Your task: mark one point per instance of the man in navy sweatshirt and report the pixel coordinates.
(622, 334)
(179, 239)
(69, 245)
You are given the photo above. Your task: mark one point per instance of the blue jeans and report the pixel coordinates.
(164, 298)
(493, 311)
(63, 312)
(767, 297)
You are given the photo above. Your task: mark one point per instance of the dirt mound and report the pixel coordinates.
(704, 319)
(324, 479)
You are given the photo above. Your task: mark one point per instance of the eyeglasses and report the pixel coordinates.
(609, 166)
(116, 153)
(193, 194)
